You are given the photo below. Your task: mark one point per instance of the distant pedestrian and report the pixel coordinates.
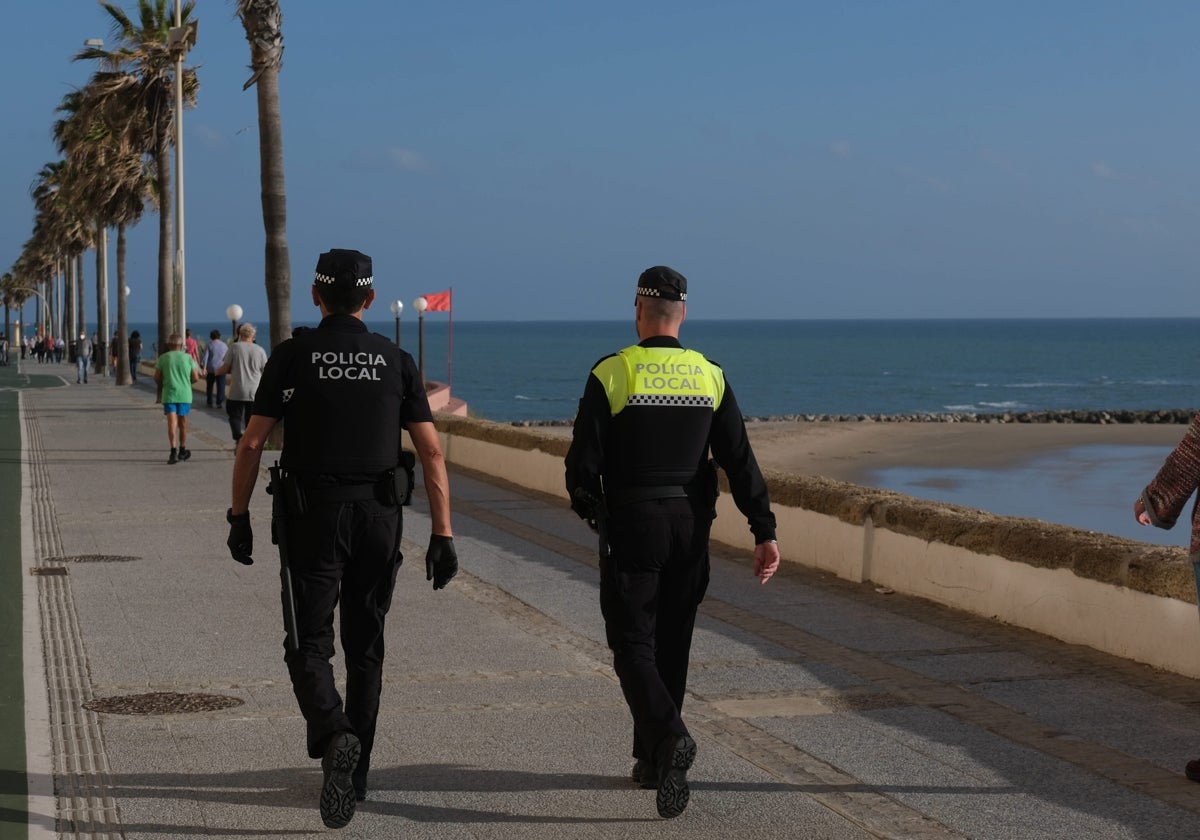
(174, 372)
(638, 471)
(60, 347)
(83, 355)
(1162, 503)
(244, 363)
(214, 357)
(135, 354)
(190, 345)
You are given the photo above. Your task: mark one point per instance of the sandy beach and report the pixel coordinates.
(851, 451)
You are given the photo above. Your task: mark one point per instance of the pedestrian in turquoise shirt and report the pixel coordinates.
(175, 372)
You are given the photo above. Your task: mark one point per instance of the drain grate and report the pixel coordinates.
(93, 558)
(161, 703)
(43, 571)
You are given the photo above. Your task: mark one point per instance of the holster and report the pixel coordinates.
(404, 479)
(595, 510)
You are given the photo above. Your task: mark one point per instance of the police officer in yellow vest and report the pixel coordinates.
(638, 470)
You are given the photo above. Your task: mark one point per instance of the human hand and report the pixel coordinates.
(441, 560)
(1139, 512)
(766, 560)
(241, 537)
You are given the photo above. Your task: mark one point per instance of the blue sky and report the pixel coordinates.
(925, 158)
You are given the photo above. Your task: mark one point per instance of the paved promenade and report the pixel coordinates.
(822, 709)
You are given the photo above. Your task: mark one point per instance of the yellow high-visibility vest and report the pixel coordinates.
(660, 376)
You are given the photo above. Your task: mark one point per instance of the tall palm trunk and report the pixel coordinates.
(80, 325)
(274, 206)
(123, 377)
(166, 279)
(66, 312)
(263, 22)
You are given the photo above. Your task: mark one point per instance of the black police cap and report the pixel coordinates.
(341, 267)
(662, 282)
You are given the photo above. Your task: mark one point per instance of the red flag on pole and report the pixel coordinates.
(438, 301)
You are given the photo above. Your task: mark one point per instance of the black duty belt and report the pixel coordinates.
(344, 492)
(304, 491)
(629, 495)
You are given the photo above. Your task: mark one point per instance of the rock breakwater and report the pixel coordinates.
(1161, 416)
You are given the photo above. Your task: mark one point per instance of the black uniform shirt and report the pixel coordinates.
(344, 394)
(601, 445)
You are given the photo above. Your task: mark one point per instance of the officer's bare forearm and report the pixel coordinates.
(433, 467)
(246, 462)
(437, 490)
(245, 475)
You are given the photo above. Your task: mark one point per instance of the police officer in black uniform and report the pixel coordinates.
(638, 470)
(345, 394)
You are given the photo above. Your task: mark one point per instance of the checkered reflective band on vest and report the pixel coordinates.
(704, 401)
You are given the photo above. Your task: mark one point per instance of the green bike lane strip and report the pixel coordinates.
(14, 592)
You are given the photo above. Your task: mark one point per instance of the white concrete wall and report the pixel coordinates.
(1159, 631)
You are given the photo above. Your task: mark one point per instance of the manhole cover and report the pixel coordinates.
(161, 703)
(93, 558)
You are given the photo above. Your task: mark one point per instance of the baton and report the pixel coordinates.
(279, 536)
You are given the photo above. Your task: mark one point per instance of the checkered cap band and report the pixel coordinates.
(361, 281)
(645, 291)
(686, 400)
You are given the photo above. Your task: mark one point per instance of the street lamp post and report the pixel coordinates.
(397, 307)
(180, 39)
(420, 304)
(102, 349)
(234, 313)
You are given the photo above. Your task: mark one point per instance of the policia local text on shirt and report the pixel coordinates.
(638, 471)
(345, 394)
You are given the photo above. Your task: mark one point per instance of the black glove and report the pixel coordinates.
(241, 537)
(441, 560)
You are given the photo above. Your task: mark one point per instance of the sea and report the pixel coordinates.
(535, 371)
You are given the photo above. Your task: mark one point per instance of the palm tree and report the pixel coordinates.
(101, 133)
(60, 231)
(10, 297)
(263, 22)
(142, 70)
(34, 272)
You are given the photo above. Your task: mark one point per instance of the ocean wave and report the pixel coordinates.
(1005, 405)
(524, 398)
(1045, 385)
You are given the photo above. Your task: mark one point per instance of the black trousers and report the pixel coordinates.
(650, 587)
(239, 416)
(342, 555)
(211, 380)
